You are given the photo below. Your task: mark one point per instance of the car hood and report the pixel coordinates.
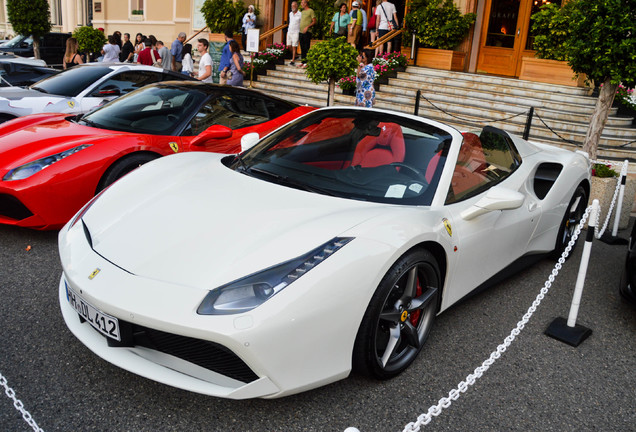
(29, 138)
(189, 220)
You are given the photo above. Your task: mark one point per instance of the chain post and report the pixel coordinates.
(418, 96)
(526, 131)
(621, 194)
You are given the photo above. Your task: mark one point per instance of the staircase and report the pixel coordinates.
(561, 113)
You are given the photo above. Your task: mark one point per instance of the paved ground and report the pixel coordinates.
(539, 384)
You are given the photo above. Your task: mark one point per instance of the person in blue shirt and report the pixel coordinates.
(176, 49)
(226, 57)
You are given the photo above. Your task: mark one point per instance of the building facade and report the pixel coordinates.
(499, 39)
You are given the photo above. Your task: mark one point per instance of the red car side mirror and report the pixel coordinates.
(213, 132)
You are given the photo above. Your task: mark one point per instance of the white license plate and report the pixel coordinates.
(105, 324)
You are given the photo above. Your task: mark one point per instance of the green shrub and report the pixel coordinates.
(89, 39)
(438, 23)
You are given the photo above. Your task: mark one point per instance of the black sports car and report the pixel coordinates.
(627, 286)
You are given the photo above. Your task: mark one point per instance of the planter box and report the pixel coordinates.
(603, 190)
(407, 52)
(549, 71)
(441, 59)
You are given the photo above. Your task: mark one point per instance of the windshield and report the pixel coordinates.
(15, 42)
(71, 82)
(150, 110)
(357, 154)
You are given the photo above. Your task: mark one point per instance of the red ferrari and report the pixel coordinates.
(52, 164)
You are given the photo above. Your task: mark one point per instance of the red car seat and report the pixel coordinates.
(384, 149)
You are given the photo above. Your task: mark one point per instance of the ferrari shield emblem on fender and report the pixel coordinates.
(447, 225)
(92, 275)
(71, 104)
(174, 146)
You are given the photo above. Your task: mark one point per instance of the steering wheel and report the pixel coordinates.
(420, 176)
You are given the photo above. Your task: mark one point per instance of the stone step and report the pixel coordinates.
(511, 106)
(495, 94)
(479, 108)
(499, 81)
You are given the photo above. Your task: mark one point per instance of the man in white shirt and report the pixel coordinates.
(385, 12)
(205, 63)
(293, 30)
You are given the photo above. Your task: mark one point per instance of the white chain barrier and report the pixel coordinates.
(620, 187)
(455, 393)
(17, 403)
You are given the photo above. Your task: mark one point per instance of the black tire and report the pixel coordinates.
(404, 305)
(122, 167)
(573, 214)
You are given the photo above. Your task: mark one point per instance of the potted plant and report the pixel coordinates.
(625, 101)
(439, 27)
(329, 61)
(551, 30)
(347, 85)
(221, 15)
(89, 40)
(603, 188)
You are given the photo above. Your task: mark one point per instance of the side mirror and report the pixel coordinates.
(248, 141)
(213, 132)
(497, 198)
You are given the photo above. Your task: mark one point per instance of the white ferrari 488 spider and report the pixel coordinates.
(329, 245)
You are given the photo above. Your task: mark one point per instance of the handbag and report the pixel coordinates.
(392, 23)
(371, 23)
(155, 63)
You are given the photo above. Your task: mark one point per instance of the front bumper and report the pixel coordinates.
(300, 339)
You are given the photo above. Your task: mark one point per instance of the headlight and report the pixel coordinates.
(27, 170)
(247, 293)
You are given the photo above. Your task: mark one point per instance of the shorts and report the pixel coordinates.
(354, 37)
(382, 32)
(292, 39)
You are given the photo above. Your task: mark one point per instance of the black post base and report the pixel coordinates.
(607, 238)
(573, 336)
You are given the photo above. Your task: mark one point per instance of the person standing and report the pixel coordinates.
(110, 51)
(365, 92)
(148, 56)
(293, 30)
(205, 62)
(187, 63)
(249, 22)
(236, 72)
(307, 21)
(340, 22)
(226, 57)
(166, 56)
(71, 57)
(355, 26)
(127, 50)
(386, 17)
(176, 49)
(139, 45)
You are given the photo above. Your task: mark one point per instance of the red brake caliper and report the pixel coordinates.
(415, 315)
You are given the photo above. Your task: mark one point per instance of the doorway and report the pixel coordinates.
(506, 35)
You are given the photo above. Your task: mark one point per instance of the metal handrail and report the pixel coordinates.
(384, 39)
(270, 32)
(194, 35)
